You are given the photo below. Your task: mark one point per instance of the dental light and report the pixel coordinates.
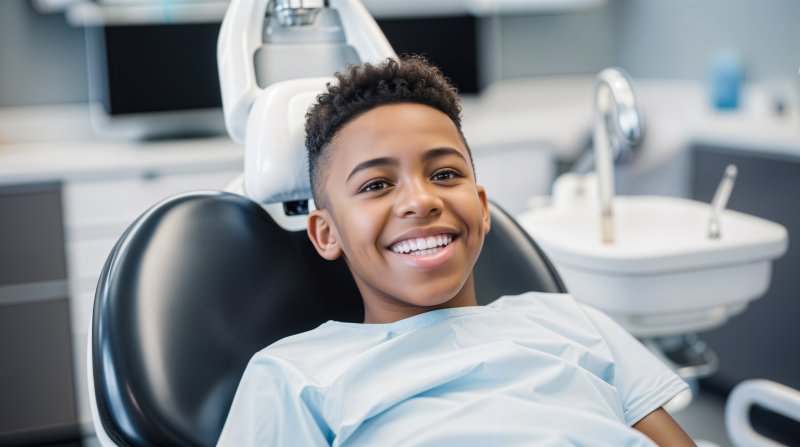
(263, 43)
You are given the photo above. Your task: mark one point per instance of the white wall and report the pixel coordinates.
(678, 38)
(42, 59)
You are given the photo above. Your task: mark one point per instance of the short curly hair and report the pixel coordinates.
(364, 87)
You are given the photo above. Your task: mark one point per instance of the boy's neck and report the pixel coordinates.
(390, 310)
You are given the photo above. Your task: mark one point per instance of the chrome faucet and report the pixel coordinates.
(617, 128)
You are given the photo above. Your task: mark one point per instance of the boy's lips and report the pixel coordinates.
(422, 245)
(414, 237)
(425, 248)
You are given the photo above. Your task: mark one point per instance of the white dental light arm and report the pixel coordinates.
(362, 32)
(239, 38)
(242, 34)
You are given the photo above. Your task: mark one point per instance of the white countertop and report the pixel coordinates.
(558, 110)
(56, 143)
(44, 143)
(41, 162)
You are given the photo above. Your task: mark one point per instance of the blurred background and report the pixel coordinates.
(107, 107)
(649, 38)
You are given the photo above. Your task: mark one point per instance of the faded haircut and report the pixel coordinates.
(364, 87)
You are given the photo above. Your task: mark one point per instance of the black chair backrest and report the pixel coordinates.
(204, 280)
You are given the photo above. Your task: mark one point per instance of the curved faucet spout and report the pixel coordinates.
(617, 128)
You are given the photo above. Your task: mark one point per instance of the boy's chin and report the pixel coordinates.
(429, 300)
(427, 303)
(424, 294)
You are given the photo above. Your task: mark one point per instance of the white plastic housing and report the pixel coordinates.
(766, 393)
(241, 36)
(276, 161)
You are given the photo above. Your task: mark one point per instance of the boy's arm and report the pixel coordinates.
(644, 383)
(663, 430)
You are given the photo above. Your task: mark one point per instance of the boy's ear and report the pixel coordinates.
(487, 217)
(323, 235)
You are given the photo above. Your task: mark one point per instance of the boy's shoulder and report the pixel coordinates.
(318, 352)
(540, 303)
(559, 312)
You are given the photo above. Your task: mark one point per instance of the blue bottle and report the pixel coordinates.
(726, 80)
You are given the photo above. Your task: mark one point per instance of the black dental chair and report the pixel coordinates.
(202, 281)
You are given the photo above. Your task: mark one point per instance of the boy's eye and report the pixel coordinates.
(445, 175)
(374, 185)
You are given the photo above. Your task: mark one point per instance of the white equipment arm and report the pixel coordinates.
(770, 395)
(241, 36)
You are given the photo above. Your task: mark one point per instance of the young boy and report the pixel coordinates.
(396, 196)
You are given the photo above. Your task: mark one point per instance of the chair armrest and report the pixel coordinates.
(770, 395)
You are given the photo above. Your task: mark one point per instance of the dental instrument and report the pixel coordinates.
(720, 201)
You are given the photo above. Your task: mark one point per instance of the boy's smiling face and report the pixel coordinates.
(404, 210)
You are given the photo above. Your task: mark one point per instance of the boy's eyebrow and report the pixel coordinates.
(391, 161)
(372, 163)
(441, 152)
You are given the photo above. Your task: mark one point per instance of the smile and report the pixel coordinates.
(422, 246)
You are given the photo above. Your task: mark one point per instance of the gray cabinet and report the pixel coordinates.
(31, 238)
(762, 341)
(64, 202)
(37, 395)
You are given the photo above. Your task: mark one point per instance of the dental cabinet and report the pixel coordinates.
(762, 341)
(37, 386)
(63, 205)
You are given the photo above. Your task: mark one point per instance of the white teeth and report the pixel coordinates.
(432, 242)
(422, 246)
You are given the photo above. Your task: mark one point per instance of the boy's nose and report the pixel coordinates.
(417, 201)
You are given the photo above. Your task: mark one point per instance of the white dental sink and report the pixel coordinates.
(663, 275)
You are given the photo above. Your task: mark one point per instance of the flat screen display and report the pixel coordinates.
(158, 68)
(449, 42)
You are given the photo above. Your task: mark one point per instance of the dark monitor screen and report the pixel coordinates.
(449, 42)
(173, 67)
(156, 68)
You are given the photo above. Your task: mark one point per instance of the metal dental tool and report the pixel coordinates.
(720, 200)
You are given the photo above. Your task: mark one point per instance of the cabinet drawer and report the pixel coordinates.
(31, 237)
(119, 202)
(37, 388)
